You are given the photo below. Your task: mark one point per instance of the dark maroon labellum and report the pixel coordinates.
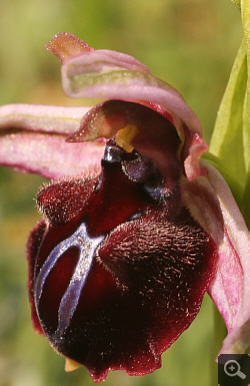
(118, 269)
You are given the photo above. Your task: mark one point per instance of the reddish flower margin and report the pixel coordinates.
(33, 139)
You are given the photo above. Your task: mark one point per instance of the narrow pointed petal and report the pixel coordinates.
(49, 119)
(32, 139)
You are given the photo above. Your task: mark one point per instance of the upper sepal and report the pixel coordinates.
(111, 75)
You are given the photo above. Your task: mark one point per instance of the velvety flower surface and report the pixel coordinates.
(137, 230)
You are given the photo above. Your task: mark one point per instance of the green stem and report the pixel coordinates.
(227, 139)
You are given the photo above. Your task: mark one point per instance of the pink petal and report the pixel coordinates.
(26, 146)
(211, 203)
(230, 288)
(227, 287)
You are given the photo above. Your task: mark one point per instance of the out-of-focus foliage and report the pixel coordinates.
(188, 43)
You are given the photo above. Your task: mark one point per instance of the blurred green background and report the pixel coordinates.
(188, 43)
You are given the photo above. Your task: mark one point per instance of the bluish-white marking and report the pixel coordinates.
(87, 246)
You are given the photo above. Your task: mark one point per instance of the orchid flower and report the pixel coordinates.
(136, 228)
